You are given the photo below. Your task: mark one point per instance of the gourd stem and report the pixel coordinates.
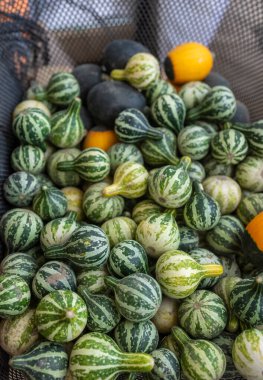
(227, 125)
(180, 337)
(111, 190)
(185, 162)
(138, 362)
(259, 279)
(65, 166)
(72, 215)
(111, 281)
(213, 270)
(74, 108)
(118, 74)
(232, 324)
(154, 134)
(198, 188)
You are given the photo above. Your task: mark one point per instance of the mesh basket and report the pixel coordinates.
(39, 37)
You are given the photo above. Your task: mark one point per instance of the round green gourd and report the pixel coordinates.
(254, 135)
(21, 264)
(53, 275)
(119, 229)
(62, 88)
(201, 212)
(28, 158)
(203, 315)
(189, 238)
(92, 164)
(213, 168)
(143, 209)
(137, 296)
(50, 203)
(211, 128)
(98, 208)
(158, 234)
(158, 88)
(14, 232)
(166, 365)
(168, 111)
(93, 280)
(196, 171)
(249, 174)
(249, 207)
(193, 93)
(20, 188)
(194, 141)
(226, 237)
(225, 191)
(121, 152)
(61, 178)
(204, 256)
(44, 180)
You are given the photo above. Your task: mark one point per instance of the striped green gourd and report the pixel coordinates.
(62, 88)
(179, 274)
(194, 141)
(21, 264)
(218, 105)
(193, 93)
(223, 289)
(201, 212)
(131, 126)
(170, 186)
(50, 203)
(67, 129)
(61, 316)
(141, 71)
(247, 354)
(44, 180)
(19, 334)
(32, 126)
(96, 356)
(59, 230)
(230, 266)
(128, 257)
(158, 88)
(28, 158)
(169, 343)
(88, 247)
(196, 171)
(61, 178)
(226, 237)
(249, 174)
(53, 275)
(119, 229)
(199, 359)
(14, 231)
(213, 168)
(204, 256)
(137, 296)
(246, 300)
(37, 254)
(46, 361)
(14, 295)
(103, 315)
(249, 207)
(229, 147)
(93, 280)
(158, 233)
(203, 315)
(136, 336)
(99, 208)
(254, 135)
(189, 239)
(161, 152)
(211, 128)
(166, 365)
(92, 164)
(130, 181)
(143, 209)
(121, 152)
(20, 188)
(168, 111)
(225, 190)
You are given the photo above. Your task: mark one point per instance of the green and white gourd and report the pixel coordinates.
(213, 168)
(158, 234)
(88, 247)
(102, 313)
(121, 152)
(93, 280)
(21, 264)
(249, 207)
(201, 212)
(189, 239)
(170, 186)
(203, 256)
(218, 105)
(166, 365)
(46, 361)
(161, 152)
(37, 254)
(137, 296)
(28, 158)
(158, 88)
(131, 126)
(61, 178)
(50, 203)
(136, 336)
(194, 141)
(142, 210)
(226, 237)
(53, 275)
(211, 128)
(99, 208)
(168, 111)
(128, 257)
(20, 188)
(249, 174)
(62, 88)
(254, 135)
(92, 164)
(14, 295)
(169, 343)
(119, 229)
(14, 229)
(230, 266)
(44, 180)
(193, 93)
(196, 171)
(225, 191)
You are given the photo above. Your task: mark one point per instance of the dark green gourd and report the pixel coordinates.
(50, 203)
(166, 365)
(254, 135)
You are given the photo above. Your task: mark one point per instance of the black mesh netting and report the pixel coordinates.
(39, 37)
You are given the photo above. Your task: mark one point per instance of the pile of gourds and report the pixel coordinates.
(145, 259)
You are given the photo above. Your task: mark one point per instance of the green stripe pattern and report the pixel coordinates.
(21, 264)
(143, 209)
(166, 365)
(229, 147)
(249, 174)
(193, 93)
(62, 88)
(168, 111)
(93, 280)
(213, 168)
(61, 316)
(160, 87)
(249, 207)
(189, 239)
(196, 171)
(121, 152)
(119, 229)
(204, 256)
(20, 188)
(28, 158)
(230, 265)
(63, 179)
(254, 135)
(14, 295)
(194, 141)
(50, 203)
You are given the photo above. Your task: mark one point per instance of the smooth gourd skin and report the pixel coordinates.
(214, 78)
(252, 243)
(87, 75)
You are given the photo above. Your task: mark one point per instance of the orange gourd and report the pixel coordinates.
(100, 137)
(255, 230)
(190, 61)
(252, 241)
